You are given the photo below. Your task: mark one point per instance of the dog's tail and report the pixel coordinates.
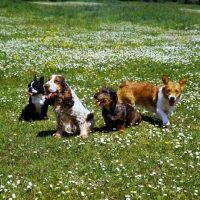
(90, 116)
(90, 120)
(123, 84)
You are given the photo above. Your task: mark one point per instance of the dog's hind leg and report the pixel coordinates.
(137, 118)
(133, 117)
(121, 127)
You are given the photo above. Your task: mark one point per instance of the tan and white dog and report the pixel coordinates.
(72, 116)
(158, 99)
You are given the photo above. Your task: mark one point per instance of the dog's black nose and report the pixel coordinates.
(96, 95)
(172, 98)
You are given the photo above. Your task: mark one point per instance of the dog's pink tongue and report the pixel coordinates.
(29, 93)
(98, 103)
(172, 103)
(50, 95)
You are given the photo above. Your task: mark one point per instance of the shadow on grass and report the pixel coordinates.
(51, 132)
(99, 129)
(45, 133)
(150, 120)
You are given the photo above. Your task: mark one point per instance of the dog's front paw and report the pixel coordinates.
(121, 131)
(83, 136)
(166, 124)
(57, 135)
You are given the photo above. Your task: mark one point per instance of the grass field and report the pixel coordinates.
(93, 46)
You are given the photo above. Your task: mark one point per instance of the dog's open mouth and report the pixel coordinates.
(49, 95)
(31, 93)
(172, 103)
(98, 103)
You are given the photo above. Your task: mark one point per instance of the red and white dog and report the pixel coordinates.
(72, 116)
(160, 100)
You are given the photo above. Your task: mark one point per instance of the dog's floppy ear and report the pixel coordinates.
(41, 80)
(62, 83)
(165, 79)
(113, 93)
(67, 97)
(182, 82)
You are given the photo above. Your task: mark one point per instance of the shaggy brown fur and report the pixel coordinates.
(71, 115)
(116, 115)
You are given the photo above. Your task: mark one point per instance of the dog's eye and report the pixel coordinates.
(168, 90)
(56, 81)
(176, 91)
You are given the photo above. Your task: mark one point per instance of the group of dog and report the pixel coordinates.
(117, 106)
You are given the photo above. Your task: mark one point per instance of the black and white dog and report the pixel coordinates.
(37, 107)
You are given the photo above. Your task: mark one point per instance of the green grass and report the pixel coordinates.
(94, 46)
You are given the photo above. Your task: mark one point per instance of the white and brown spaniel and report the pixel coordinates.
(72, 116)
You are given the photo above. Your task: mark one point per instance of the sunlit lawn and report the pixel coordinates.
(95, 46)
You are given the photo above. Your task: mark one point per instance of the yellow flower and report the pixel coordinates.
(14, 134)
(166, 142)
(68, 191)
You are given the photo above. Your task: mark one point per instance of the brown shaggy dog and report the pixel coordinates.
(116, 115)
(72, 116)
